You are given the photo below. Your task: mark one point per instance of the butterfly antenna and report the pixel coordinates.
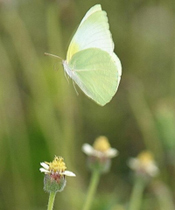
(75, 88)
(56, 56)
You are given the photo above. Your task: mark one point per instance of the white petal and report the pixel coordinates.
(111, 153)
(44, 170)
(87, 149)
(133, 163)
(44, 165)
(98, 154)
(68, 173)
(152, 169)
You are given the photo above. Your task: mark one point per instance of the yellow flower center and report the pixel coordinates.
(145, 157)
(57, 164)
(101, 144)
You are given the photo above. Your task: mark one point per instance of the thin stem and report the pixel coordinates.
(164, 196)
(51, 200)
(92, 189)
(137, 193)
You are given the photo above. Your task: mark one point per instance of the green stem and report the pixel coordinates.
(137, 193)
(51, 200)
(92, 188)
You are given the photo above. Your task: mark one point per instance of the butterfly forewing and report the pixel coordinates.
(93, 32)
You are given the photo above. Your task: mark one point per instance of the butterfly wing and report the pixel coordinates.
(93, 32)
(91, 62)
(97, 73)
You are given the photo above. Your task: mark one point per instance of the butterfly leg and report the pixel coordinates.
(66, 76)
(75, 87)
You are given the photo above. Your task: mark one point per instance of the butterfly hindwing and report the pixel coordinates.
(95, 72)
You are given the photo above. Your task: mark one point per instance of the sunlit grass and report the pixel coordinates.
(41, 115)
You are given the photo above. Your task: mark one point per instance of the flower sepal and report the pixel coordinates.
(54, 183)
(102, 165)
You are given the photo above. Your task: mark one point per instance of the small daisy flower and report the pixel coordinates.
(144, 164)
(100, 154)
(55, 172)
(100, 148)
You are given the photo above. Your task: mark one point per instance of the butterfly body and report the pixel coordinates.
(67, 69)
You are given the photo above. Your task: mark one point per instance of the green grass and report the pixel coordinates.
(41, 115)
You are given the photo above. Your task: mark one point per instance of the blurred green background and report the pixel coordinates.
(42, 116)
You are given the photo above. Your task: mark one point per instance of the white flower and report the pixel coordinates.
(57, 167)
(101, 148)
(144, 163)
